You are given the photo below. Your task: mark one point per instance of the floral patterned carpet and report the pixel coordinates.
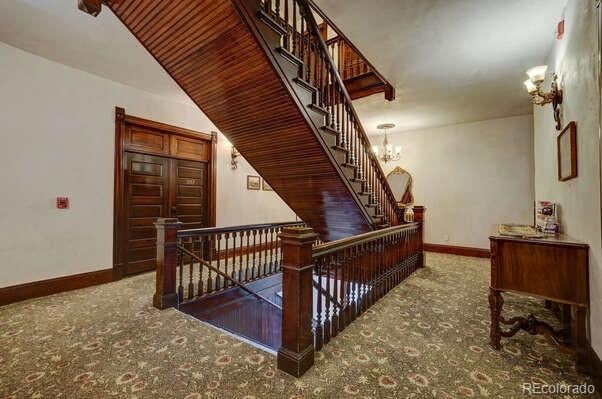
(426, 338)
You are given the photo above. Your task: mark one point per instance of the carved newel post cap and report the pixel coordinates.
(299, 233)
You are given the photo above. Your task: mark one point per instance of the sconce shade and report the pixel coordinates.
(537, 74)
(531, 88)
(398, 150)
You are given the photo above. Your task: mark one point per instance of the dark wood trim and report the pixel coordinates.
(456, 250)
(121, 120)
(212, 220)
(41, 288)
(180, 131)
(118, 192)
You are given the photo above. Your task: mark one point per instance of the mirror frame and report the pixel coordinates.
(400, 171)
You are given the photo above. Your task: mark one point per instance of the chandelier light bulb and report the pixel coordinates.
(531, 88)
(537, 74)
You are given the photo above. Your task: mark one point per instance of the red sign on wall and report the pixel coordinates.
(62, 202)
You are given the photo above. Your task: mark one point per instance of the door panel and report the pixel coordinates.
(147, 198)
(189, 193)
(156, 187)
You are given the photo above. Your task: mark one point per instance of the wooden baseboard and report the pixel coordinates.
(455, 250)
(37, 289)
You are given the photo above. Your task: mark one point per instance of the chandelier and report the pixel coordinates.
(387, 152)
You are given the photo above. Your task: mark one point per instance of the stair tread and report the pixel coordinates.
(336, 147)
(305, 84)
(271, 22)
(289, 56)
(319, 109)
(330, 130)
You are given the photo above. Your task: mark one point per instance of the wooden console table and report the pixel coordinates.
(552, 268)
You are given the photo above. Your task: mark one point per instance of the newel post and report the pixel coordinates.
(167, 254)
(419, 212)
(296, 355)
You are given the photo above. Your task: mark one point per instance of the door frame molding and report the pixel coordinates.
(121, 120)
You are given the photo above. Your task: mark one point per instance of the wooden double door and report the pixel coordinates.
(162, 174)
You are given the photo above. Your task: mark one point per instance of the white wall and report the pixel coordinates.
(575, 59)
(58, 139)
(470, 177)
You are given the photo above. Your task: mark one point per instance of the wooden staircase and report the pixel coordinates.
(260, 70)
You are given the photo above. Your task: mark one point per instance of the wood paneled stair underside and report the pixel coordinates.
(228, 61)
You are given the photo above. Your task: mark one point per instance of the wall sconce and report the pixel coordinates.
(234, 154)
(537, 76)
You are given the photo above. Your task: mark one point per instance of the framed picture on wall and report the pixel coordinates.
(265, 186)
(567, 152)
(253, 182)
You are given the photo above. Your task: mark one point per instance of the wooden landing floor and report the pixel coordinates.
(242, 314)
(246, 316)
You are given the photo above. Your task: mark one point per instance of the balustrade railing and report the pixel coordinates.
(349, 63)
(303, 39)
(199, 262)
(326, 286)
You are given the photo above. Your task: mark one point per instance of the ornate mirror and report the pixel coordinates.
(401, 184)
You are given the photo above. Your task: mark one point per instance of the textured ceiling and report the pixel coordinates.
(451, 61)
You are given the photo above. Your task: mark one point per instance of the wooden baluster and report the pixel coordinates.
(277, 264)
(211, 249)
(335, 296)
(314, 56)
(248, 249)
(352, 139)
(218, 255)
(240, 255)
(260, 255)
(266, 253)
(343, 319)
(348, 285)
(373, 273)
(319, 321)
(181, 277)
(278, 8)
(167, 260)
(296, 355)
(191, 271)
(287, 36)
(302, 42)
(327, 310)
(383, 267)
(267, 6)
(339, 103)
(270, 233)
(320, 84)
(294, 26)
(226, 258)
(332, 102)
(200, 288)
(363, 265)
(254, 272)
(308, 50)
